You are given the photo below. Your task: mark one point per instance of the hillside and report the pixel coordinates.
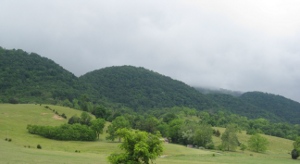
(288, 110)
(14, 119)
(140, 88)
(241, 107)
(28, 77)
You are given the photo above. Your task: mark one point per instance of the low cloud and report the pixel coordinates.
(245, 46)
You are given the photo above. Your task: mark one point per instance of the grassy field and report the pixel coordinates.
(22, 148)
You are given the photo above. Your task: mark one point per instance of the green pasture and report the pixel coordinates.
(22, 148)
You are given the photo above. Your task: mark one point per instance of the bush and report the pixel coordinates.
(9, 140)
(13, 101)
(39, 146)
(294, 154)
(243, 147)
(210, 145)
(64, 116)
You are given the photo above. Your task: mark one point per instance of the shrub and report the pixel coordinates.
(64, 116)
(294, 154)
(9, 140)
(243, 147)
(39, 146)
(210, 145)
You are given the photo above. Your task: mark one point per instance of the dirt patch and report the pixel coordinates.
(57, 117)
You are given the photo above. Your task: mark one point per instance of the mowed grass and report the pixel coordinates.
(15, 118)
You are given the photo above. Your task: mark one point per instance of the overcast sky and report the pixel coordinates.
(247, 45)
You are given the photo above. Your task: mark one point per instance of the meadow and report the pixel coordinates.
(22, 149)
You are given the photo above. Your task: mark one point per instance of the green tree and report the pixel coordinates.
(175, 130)
(295, 152)
(203, 135)
(149, 124)
(85, 118)
(258, 143)
(229, 138)
(74, 119)
(97, 125)
(296, 144)
(140, 147)
(118, 123)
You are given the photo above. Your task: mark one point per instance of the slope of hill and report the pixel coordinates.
(29, 78)
(14, 118)
(238, 106)
(288, 110)
(140, 88)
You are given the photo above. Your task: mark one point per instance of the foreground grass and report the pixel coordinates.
(15, 118)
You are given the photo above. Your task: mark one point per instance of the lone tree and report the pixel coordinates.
(140, 147)
(229, 138)
(295, 154)
(257, 143)
(97, 125)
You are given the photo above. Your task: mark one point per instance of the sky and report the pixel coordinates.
(249, 45)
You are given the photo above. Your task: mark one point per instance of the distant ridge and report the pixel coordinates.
(30, 78)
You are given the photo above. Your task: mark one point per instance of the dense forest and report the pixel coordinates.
(30, 78)
(141, 89)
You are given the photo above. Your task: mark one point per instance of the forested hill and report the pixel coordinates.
(282, 107)
(140, 89)
(28, 77)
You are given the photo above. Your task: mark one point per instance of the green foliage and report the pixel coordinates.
(284, 109)
(258, 143)
(32, 78)
(97, 125)
(74, 120)
(118, 123)
(85, 118)
(140, 148)
(174, 130)
(203, 136)
(39, 146)
(243, 147)
(142, 89)
(229, 138)
(296, 144)
(196, 134)
(294, 154)
(74, 132)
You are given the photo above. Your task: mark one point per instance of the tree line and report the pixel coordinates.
(81, 128)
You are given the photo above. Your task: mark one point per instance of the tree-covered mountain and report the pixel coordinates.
(28, 77)
(140, 89)
(286, 109)
(241, 107)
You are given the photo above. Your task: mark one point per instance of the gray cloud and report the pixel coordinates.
(245, 46)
